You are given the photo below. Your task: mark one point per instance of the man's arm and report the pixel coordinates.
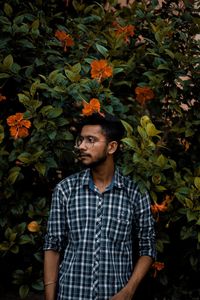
(51, 265)
(141, 268)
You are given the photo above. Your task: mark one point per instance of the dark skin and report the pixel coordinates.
(100, 158)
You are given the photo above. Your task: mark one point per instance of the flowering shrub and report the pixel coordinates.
(92, 107)
(61, 59)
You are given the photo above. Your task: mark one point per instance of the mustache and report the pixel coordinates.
(78, 153)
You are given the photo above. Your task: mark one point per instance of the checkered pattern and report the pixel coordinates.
(95, 232)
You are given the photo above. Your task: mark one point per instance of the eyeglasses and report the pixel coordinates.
(89, 141)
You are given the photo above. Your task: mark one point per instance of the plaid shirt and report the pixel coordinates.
(95, 232)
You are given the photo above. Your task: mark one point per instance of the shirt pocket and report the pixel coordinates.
(118, 229)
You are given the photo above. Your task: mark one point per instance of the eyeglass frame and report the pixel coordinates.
(89, 144)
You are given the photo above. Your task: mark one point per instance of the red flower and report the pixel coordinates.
(65, 39)
(162, 207)
(157, 266)
(125, 31)
(92, 107)
(18, 126)
(100, 69)
(144, 94)
(2, 98)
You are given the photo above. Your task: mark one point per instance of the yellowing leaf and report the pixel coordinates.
(8, 9)
(35, 24)
(151, 130)
(1, 133)
(144, 121)
(13, 174)
(8, 61)
(161, 161)
(197, 182)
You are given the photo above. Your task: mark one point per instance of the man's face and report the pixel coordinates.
(92, 146)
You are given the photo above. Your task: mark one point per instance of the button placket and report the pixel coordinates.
(97, 247)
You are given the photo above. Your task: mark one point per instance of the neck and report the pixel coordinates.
(102, 175)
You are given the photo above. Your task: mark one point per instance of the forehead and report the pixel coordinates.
(92, 130)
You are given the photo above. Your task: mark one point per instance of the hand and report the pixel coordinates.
(124, 294)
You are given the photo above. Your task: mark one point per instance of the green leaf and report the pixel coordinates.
(72, 76)
(128, 127)
(161, 161)
(20, 228)
(67, 136)
(198, 237)
(186, 233)
(189, 203)
(76, 68)
(12, 236)
(23, 291)
(38, 285)
(4, 246)
(7, 233)
(13, 174)
(169, 52)
(54, 112)
(130, 142)
(52, 134)
(4, 75)
(24, 239)
(191, 215)
(41, 168)
(8, 9)
(23, 98)
(35, 24)
(14, 249)
(25, 157)
(160, 188)
(53, 75)
(8, 61)
(25, 43)
(38, 256)
(102, 50)
(183, 190)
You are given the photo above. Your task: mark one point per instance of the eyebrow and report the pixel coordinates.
(88, 136)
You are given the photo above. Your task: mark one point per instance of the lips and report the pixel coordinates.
(83, 156)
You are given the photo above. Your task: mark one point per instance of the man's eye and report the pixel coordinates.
(91, 140)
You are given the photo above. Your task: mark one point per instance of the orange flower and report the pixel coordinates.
(2, 98)
(156, 208)
(92, 107)
(65, 39)
(100, 69)
(144, 94)
(18, 126)
(157, 266)
(33, 226)
(125, 31)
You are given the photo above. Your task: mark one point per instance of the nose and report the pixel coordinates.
(82, 145)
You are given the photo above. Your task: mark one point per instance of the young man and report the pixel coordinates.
(93, 219)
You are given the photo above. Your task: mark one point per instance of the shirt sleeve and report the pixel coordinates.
(145, 225)
(56, 236)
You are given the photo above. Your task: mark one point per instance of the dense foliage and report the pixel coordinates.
(141, 63)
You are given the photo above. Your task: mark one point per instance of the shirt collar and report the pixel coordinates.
(118, 179)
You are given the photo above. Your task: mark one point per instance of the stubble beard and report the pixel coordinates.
(99, 161)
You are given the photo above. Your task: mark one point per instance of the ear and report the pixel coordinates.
(112, 147)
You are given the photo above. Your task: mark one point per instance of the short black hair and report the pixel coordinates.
(111, 125)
